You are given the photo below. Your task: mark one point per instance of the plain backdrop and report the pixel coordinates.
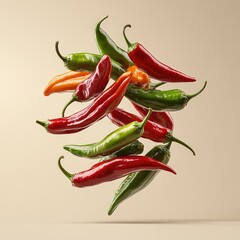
(200, 38)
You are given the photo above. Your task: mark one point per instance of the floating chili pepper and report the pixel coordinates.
(60, 78)
(93, 85)
(113, 169)
(153, 67)
(152, 130)
(107, 46)
(162, 118)
(157, 100)
(114, 141)
(135, 182)
(88, 61)
(133, 148)
(99, 108)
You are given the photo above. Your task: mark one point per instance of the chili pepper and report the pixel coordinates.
(139, 78)
(152, 130)
(60, 78)
(87, 61)
(113, 169)
(157, 100)
(135, 182)
(153, 67)
(99, 108)
(162, 118)
(114, 141)
(93, 85)
(133, 148)
(107, 46)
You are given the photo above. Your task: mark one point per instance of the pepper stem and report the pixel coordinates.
(195, 94)
(67, 174)
(144, 121)
(153, 86)
(64, 109)
(42, 123)
(125, 37)
(58, 53)
(99, 23)
(182, 143)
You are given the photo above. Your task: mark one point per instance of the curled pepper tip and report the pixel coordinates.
(58, 53)
(125, 37)
(67, 174)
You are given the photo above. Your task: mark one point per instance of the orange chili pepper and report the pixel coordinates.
(139, 77)
(62, 81)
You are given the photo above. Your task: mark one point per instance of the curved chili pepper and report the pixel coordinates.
(157, 100)
(153, 67)
(152, 130)
(135, 182)
(162, 118)
(107, 46)
(99, 108)
(114, 141)
(113, 169)
(133, 148)
(60, 78)
(94, 85)
(87, 61)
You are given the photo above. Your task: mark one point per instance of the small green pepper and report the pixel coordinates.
(112, 142)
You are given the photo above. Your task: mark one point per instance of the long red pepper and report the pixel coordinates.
(153, 67)
(94, 84)
(99, 108)
(112, 169)
(162, 118)
(152, 130)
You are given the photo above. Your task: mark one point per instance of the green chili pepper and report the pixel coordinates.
(137, 181)
(168, 100)
(107, 46)
(112, 142)
(87, 61)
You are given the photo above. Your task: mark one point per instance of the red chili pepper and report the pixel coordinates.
(162, 118)
(99, 108)
(152, 130)
(113, 169)
(153, 67)
(94, 84)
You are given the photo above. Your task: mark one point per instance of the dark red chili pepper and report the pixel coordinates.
(162, 118)
(153, 67)
(113, 169)
(94, 84)
(99, 108)
(152, 130)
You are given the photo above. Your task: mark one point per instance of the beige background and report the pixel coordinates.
(200, 38)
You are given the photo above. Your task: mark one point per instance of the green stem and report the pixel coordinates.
(98, 24)
(64, 109)
(182, 143)
(42, 123)
(125, 37)
(58, 53)
(153, 86)
(195, 94)
(144, 121)
(67, 174)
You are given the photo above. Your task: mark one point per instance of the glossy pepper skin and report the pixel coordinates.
(113, 169)
(94, 85)
(88, 62)
(152, 130)
(107, 46)
(98, 109)
(133, 148)
(153, 67)
(113, 142)
(135, 182)
(162, 118)
(157, 100)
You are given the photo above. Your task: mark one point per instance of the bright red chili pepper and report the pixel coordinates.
(94, 84)
(112, 169)
(153, 67)
(99, 108)
(162, 118)
(152, 130)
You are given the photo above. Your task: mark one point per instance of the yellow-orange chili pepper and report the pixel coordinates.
(139, 77)
(65, 81)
